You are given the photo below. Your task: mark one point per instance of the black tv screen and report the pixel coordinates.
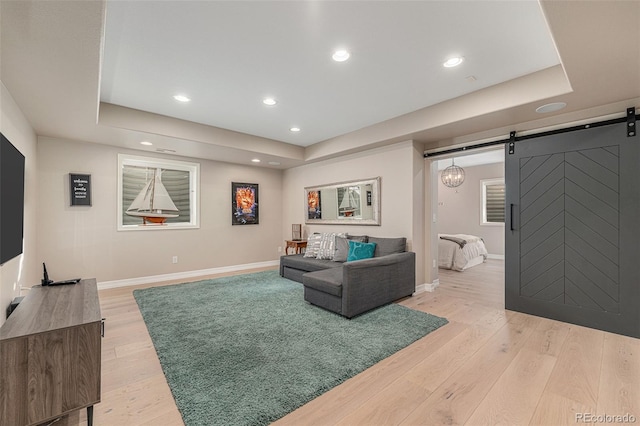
(11, 200)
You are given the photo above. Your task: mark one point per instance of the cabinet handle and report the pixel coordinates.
(102, 327)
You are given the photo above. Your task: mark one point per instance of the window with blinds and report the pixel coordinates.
(156, 193)
(176, 182)
(493, 199)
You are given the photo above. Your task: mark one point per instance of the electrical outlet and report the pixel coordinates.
(279, 249)
(434, 263)
(175, 259)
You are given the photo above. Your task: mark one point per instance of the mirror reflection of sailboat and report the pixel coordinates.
(153, 204)
(349, 203)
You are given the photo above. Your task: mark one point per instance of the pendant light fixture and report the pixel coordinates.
(452, 176)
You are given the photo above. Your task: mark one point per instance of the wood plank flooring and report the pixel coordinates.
(487, 366)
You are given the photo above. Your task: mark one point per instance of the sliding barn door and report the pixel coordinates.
(572, 231)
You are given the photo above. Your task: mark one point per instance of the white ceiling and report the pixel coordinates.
(477, 159)
(229, 55)
(52, 56)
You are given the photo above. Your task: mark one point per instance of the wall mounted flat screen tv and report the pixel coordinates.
(11, 200)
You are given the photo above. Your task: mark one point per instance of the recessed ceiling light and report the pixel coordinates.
(453, 62)
(181, 98)
(256, 160)
(147, 143)
(340, 55)
(269, 101)
(555, 106)
(295, 129)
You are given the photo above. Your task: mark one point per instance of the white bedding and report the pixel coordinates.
(452, 256)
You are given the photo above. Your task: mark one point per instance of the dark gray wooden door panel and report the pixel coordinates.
(591, 204)
(537, 260)
(601, 244)
(532, 270)
(541, 179)
(538, 284)
(606, 230)
(572, 240)
(553, 204)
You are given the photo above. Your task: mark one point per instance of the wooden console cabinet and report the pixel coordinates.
(50, 353)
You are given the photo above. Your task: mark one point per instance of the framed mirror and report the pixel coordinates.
(348, 203)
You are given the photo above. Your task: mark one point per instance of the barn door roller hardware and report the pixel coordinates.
(512, 142)
(630, 119)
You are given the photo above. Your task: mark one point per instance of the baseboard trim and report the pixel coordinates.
(495, 256)
(427, 287)
(187, 274)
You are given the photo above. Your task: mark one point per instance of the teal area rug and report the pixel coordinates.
(247, 350)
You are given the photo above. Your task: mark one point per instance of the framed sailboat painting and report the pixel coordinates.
(157, 194)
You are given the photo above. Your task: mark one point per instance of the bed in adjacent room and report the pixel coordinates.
(460, 251)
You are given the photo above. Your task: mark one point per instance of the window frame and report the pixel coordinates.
(194, 191)
(483, 200)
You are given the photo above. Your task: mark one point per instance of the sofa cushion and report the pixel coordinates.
(298, 261)
(359, 251)
(292, 273)
(327, 246)
(327, 281)
(387, 246)
(313, 244)
(342, 246)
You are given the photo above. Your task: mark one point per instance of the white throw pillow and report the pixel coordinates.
(327, 247)
(313, 244)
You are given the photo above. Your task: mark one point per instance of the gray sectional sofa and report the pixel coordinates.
(350, 288)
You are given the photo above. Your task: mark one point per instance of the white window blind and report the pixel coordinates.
(493, 199)
(176, 183)
(495, 203)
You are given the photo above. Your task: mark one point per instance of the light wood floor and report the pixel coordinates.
(487, 366)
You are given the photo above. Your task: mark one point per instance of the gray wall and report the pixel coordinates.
(459, 209)
(21, 270)
(401, 169)
(84, 241)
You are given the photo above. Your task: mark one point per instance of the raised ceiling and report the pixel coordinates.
(227, 56)
(392, 89)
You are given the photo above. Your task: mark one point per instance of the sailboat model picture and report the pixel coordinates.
(153, 204)
(349, 204)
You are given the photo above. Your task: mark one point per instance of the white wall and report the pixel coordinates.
(21, 270)
(459, 209)
(84, 242)
(431, 221)
(401, 169)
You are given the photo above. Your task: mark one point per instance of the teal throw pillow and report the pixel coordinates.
(359, 250)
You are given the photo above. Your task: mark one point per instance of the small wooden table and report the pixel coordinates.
(298, 246)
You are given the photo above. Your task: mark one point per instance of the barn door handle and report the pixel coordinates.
(511, 217)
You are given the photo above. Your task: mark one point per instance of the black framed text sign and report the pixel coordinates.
(80, 186)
